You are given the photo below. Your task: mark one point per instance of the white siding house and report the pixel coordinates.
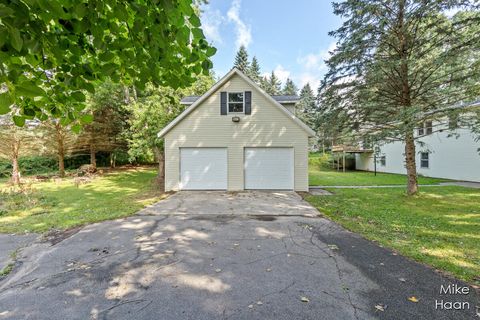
(236, 137)
(442, 154)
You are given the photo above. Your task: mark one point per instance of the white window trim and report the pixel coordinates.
(228, 102)
(428, 161)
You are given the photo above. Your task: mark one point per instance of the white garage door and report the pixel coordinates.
(203, 168)
(269, 168)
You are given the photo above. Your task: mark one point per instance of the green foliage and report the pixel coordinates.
(155, 108)
(320, 161)
(306, 107)
(31, 165)
(290, 88)
(272, 85)
(52, 52)
(402, 63)
(254, 70)
(241, 60)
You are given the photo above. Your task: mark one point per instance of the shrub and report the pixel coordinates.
(320, 160)
(31, 165)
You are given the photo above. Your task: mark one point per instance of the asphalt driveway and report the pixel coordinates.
(215, 255)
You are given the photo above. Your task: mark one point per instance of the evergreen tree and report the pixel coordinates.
(305, 109)
(264, 84)
(254, 71)
(290, 88)
(274, 86)
(397, 65)
(241, 60)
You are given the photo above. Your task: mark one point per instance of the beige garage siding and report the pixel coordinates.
(267, 126)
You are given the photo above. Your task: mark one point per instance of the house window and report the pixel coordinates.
(425, 128)
(424, 160)
(429, 127)
(383, 161)
(235, 102)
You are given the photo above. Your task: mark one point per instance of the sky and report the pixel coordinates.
(288, 37)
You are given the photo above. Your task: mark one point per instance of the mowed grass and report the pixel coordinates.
(325, 177)
(439, 227)
(61, 205)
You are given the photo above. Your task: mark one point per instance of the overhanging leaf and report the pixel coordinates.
(5, 103)
(28, 89)
(15, 39)
(19, 121)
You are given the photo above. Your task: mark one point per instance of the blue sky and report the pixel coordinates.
(289, 37)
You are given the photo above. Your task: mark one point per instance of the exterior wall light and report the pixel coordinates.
(235, 119)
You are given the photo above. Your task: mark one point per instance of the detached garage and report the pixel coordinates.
(237, 137)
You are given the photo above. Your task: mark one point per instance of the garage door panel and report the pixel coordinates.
(269, 168)
(203, 168)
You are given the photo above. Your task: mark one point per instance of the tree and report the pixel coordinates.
(271, 85)
(17, 142)
(155, 108)
(52, 51)
(254, 71)
(290, 88)
(306, 108)
(107, 109)
(397, 65)
(241, 60)
(58, 140)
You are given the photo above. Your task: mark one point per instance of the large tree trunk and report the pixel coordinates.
(93, 159)
(15, 170)
(412, 186)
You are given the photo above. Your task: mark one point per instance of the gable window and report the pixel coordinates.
(235, 102)
(425, 128)
(424, 160)
(383, 161)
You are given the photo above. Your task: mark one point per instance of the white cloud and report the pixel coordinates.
(243, 31)
(314, 67)
(281, 73)
(211, 21)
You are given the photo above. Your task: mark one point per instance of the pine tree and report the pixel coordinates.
(397, 65)
(241, 60)
(305, 109)
(274, 86)
(254, 71)
(264, 84)
(290, 88)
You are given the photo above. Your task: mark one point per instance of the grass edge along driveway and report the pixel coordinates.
(438, 227)
(62, 205)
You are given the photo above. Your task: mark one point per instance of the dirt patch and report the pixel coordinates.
(57, 236)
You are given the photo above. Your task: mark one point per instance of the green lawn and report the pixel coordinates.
(326, 177)
(439, 227)
(61, 205)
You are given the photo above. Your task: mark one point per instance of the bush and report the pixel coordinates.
(320, 160)
(32, 165)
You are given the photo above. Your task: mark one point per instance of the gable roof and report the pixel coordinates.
(220, 83)
(188, 100)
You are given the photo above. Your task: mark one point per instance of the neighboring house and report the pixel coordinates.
(237, 137)
(442, 152)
